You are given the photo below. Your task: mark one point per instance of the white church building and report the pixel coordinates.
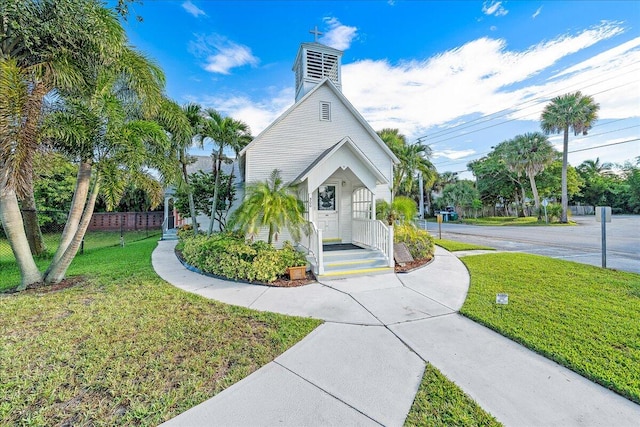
(337, 161)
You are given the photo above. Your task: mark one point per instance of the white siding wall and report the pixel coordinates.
(297, 140)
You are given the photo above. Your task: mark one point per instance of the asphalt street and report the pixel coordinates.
(580, 243)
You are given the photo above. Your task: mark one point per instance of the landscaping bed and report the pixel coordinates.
(280, 282)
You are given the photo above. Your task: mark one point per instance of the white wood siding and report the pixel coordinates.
(299, 138)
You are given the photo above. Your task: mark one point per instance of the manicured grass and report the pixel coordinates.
(440, 402)
(509, 220)
(583, 317)
(123, 347)
(453, 246)
(10, 275)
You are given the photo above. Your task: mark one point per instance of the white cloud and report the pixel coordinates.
(475, 79)
(536, 13)
(193, 9)
(494, 8)
(221, 55)
(339, 36)
(257, 114)
(453, 154)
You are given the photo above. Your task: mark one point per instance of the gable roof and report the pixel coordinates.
(318, 162)
(347, 104)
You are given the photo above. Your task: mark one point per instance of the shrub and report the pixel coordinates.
(185, 231)
(419, 242)
(230, 256)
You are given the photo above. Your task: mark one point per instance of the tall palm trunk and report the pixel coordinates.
(565, 196)
(214, 203)
(14, 229)
(29, 137)
(78, 202)
(192, 205)
(58, 270)
(31, 225)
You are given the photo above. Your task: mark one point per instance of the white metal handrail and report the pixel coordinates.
(374, 234)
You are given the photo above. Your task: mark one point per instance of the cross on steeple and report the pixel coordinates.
(316, 33)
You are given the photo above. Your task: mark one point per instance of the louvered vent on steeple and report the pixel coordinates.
(314, 63)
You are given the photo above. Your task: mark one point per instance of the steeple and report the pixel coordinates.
(315, 62)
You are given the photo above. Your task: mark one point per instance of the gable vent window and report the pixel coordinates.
(325, 111)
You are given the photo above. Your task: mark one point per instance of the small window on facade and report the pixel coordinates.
(325, 111)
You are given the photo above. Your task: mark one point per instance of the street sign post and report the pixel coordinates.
(603, 216)
(545, 202)
(439, 217)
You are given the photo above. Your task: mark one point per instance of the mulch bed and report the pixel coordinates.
(43, 288)
(410, 266)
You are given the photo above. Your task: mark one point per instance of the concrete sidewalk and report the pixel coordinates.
(363, 366)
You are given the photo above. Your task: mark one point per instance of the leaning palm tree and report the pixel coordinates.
(272, 204)
(414, 162)
(38, 57)
(570, 111)
(530, 154)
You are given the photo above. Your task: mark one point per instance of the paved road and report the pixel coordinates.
(580, 243)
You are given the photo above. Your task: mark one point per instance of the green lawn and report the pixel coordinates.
(453, 246)
(123, 347)
(10, 275)
(583, 317)
(439, 402)
(509, 220)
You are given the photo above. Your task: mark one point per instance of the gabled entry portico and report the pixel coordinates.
(339, 188)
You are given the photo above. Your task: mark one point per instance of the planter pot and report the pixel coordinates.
(297, 273)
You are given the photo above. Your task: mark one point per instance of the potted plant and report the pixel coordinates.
(295, 261)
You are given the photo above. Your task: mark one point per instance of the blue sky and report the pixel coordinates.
(463, 75)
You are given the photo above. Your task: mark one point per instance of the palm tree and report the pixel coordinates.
(414, 161)
(271, 204)
(530, 154)
(36, 56)
(49, 58)
(194, 116)
(573, 110)
(225, 132)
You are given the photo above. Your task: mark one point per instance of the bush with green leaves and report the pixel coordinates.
(419, 242)
(231, 256)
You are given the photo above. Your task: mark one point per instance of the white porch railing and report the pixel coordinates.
(375, 235)
(313, 244)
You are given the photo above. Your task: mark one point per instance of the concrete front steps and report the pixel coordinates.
(353, 262)
(171, 234)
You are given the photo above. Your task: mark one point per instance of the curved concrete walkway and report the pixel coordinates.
(363, 366)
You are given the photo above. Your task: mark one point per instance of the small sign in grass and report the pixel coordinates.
(583, 317)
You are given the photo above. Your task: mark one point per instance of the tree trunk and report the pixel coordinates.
(565, 197)
(192, 205)
(57, 271)
(14, 229)
(78, 202)
(536, 196)
(214, 203)
(31, 226)
(28, 136)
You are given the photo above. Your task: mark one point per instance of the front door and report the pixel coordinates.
(328, 205)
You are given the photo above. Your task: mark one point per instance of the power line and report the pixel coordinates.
(515, 109)
(569, 152)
